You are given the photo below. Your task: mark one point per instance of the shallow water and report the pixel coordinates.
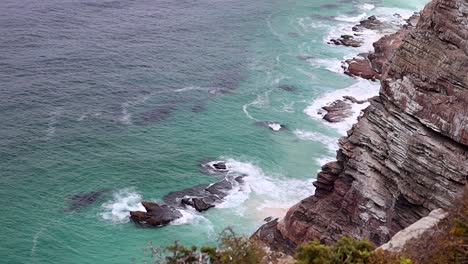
(130, 97)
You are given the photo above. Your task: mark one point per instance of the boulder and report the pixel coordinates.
(155, 215)
(337, 111)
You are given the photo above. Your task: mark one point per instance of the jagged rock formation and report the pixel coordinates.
(408, 153)
(371, 66)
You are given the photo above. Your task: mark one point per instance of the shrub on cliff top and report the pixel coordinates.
(346, 251)
(232, 249)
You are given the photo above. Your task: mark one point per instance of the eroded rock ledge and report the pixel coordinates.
(408, 153)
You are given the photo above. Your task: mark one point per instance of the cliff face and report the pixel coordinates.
(408, 153)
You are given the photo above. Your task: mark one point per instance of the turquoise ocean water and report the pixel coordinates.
(131, 97)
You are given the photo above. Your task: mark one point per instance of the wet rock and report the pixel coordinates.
(155, 215)
(220, 188)
(354, 100)
(347, 40)
(337, 111)
(215, 167)
(370, 23)
(201, 204)
(360, 66)
(268, 219)
(78, 201)
(203, 197)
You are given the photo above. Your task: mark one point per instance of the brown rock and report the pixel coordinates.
(408, 153)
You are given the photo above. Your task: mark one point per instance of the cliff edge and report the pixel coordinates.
(408, 153)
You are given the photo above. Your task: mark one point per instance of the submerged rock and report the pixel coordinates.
(155, 215)
(81, 200)
(288, 88)
(304, 57)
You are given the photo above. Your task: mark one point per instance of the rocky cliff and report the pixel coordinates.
(408, 153)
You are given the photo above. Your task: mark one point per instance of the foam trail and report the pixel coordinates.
(330, 142)
(118, 209)
(333, 65)
(361, 90)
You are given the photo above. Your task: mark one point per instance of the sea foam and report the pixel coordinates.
(118, 209)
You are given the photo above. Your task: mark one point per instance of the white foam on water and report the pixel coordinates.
(126, 117)
(330, 142)
(275, 126)
(361, 90)
(271, 193)
(324, 160)
(333, 65)
(118, 209)
(191, 216)
(366, 6)
(368, 36)
(348, 18)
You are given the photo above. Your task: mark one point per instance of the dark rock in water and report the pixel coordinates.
(198, 108)
(220, 166)
(174, 198)
(220, 188)
(269, 234)
(293, 34)
(337, 111)
(304, 57)
(329, 6)
(370, 23)
(201, 204)
(215, 167)
(159, 113)
(354, 100)
(228, 80)
(347, 40)
(271, 125)
(288, 88)
(240, 179)
(79, 201)
(268, 219)
(155, 215)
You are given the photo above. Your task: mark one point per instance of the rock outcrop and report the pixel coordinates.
(370, 66)
(408, 153)
(155, 215)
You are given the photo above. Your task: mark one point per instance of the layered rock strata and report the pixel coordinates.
(408, 153)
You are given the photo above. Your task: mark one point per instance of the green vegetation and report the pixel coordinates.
(346, 251)
(447, 243)
(232, 249)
